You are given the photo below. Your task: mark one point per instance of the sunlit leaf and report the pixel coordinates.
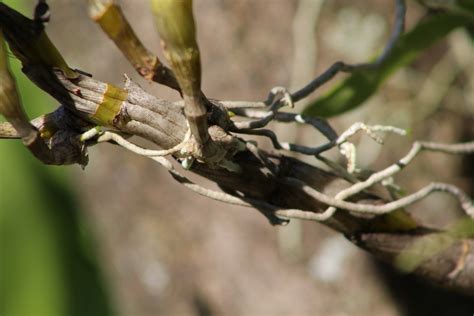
(360, 86)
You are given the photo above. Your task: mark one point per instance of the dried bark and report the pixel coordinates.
(450, 262)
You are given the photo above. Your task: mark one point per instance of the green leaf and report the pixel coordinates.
(460, 7)
(47, 266)
(360, 86)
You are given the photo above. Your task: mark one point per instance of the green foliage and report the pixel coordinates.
(466, 7)
(360, 86)
(46, 266)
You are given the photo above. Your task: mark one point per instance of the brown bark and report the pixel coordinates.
(450, 259)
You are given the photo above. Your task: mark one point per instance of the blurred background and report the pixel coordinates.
(122, 238)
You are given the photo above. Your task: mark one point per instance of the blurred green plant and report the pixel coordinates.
(47, 264)
(353, 91)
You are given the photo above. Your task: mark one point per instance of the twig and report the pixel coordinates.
(265, 117)
(461, 148)
(111, 136)
(340, 66)
(284, 117)
(335, 202)
(110, 18)
(65, 152)
(242, 105)
(464, 200)
(370, 130)
(277, 98)
(348, 149)
(305, 150)
(241, 108)
(343, 67)
(341, 140)
(158, 156)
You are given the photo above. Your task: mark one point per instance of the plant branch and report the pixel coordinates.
(175, 23)
(62, 148)
(277, 185)
(109, 16)
(461, 148)
(337, 67)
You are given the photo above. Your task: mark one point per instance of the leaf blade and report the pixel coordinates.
(360, 86)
